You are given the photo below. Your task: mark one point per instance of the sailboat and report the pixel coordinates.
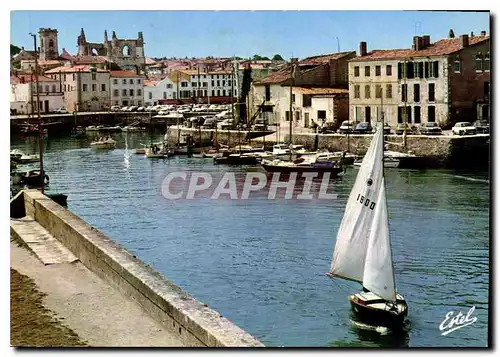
(363, 249)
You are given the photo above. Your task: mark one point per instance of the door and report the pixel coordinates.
(485, 112)
(46, 106)
(368, 114)
(306, 120)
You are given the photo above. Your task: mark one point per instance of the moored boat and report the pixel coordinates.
(103, 143)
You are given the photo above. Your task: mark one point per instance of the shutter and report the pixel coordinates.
(408, 116)
(410, 71)
(421, 69)
(436, 69)
(426, 69)
(400, 70)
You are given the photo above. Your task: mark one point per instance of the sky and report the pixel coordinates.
(246, 33)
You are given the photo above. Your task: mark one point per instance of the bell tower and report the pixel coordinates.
(48, 44)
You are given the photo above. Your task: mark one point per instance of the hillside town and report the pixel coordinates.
(444, 81)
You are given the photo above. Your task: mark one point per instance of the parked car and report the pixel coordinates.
(209, 123)
(226, 124)
(363, 128)
(61, 110)
(346, 127)
(115, 108)
(124, 109)
(482, 127)
(430, 128)
(140, 109)
(463, 128)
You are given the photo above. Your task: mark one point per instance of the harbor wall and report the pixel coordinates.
(439, 150)
(193, 321)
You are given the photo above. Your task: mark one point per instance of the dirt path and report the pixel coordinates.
(95, 311)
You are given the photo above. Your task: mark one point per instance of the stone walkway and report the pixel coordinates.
(95, 311)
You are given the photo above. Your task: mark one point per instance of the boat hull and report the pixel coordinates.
(376, 312)
(102, 145)
(236, 160)
(334, 170)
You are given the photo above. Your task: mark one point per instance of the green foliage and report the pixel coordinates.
(14, 50)
(277, 57)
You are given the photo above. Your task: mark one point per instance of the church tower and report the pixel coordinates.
(48, 44)
(82, 44)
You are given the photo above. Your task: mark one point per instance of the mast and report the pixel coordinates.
(291, 108)
(232, 102)
(405, 115)
(40, 136)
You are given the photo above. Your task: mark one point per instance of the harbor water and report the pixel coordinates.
(261, 262)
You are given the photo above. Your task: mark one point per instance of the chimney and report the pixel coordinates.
(417, 43)
(362, 48)
(426, 41)
(292, 60)
(483, 33)
(471, 34)
(22, 48)
(464, 41)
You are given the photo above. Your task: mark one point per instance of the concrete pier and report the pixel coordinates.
(186, 321)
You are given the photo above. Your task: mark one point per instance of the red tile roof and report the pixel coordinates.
(89, 59)
(150, 83)
(439, 48)
(74, 69)
(149, 61)
(123, 74)
(27, 79)
(276, 77)
(321, 59)
(50, 62)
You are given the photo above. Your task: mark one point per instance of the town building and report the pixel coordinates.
(319, 92)
(86, 88)
(158, 89)
(444, 82)
(23, 98)
(126, 88)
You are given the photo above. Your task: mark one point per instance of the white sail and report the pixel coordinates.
(352, 238)
(378, 276)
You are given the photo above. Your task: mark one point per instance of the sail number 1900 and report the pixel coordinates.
(365, 201)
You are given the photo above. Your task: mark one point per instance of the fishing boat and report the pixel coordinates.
(103, 143)
(362, 251)
(20, 157)
(304, 164)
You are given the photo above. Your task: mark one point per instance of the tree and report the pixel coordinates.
(277, 58)
(14, 50)
(245, 89)
(257, 58)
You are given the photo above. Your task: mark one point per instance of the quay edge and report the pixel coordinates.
(193, 321)
(439, 151)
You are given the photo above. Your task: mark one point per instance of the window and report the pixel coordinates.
(165, 95)
(84, 87)
(139, 92)
(124, 92)
(400, 114)
(404, 114)
(74, 77)
(367, 71)
(115, 81)
(486, 89)
(306, 100)
(53, 88)
(416, 115)
(47, 89)
(150, 95)
(115, 93)
(218, 83)
(426, 69)
(65, 77)
(400, 70)
(367, 91)
(457, 64)
(205, 84)
(138, 81)
(184, 84)
(416, 93)
(217, 76)
(431, 114)
(486, 63)
(94, 76)
(213, 93)
(479, 62)
(103, 87)
(223, 92)
(124, 81)
(410, 70)
(139, 102)
(431, 92)
(131, 92)
(388, 90)
(356, 71)
(287, 115)
(94, 87)
(205, 93)
(368, 114)
(418, 69)
(131, 81)
(377, 70)
(268, 93)
(404, 92)
(356, 91)
(293, 98)
(218, 92)
(169, 85)
(322, 114)
(388, 70)
(213, 83)
(223, 83)
(193, 77)
(378, 91)
(434, 69)
(194, 93)
(194, 84)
